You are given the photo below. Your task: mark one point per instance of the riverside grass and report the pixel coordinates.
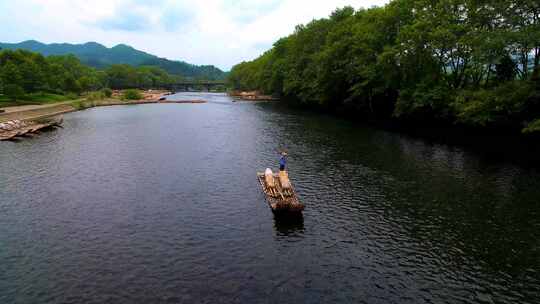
(36, 99)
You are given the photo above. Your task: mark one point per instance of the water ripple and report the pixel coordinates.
(159, 204)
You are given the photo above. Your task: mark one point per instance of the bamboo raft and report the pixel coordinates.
(280, 198)
(11, 130)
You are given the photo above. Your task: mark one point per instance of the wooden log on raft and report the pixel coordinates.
(284, 180)
(269, 178)
(278, 198)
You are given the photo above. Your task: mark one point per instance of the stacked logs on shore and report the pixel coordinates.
(14, 128)
(252, 96)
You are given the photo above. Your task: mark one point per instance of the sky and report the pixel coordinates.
(205, 32)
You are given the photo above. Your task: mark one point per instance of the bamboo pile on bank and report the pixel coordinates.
(17, 128)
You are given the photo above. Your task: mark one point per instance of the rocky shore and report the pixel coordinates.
(15, 129)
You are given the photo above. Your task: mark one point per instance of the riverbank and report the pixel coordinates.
(38, 112)
(29, 114)
(81, 105)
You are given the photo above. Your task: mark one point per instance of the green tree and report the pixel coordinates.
(14, 91)
(132, 94)
(506, 69)
(451, 61)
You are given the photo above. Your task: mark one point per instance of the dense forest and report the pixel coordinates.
(467, 62)
(98, 56)
(23, 72)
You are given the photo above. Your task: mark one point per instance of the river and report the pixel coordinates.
(160, 204)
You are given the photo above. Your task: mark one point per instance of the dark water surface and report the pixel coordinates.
(160, 204)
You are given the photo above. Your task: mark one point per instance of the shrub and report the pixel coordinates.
(424, 101)
(71, 96)
(95, 96)
(132, 95)
(14, 91)
(78, 104)
(532, 127)
(107, 92)
(82, 104)
(487, 107)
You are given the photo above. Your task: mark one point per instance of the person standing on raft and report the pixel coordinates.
(283, 161)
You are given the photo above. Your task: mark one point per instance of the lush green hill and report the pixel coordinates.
(99, 56)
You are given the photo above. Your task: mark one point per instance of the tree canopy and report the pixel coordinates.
(98, 56)
(23, 72)
(461, 61)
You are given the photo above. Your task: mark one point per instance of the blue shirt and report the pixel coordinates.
(282, 161)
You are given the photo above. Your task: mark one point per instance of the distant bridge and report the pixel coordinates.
(184, 86)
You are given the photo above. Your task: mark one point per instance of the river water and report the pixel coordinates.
(160, 204)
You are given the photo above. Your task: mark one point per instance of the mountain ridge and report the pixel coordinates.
(99, 56)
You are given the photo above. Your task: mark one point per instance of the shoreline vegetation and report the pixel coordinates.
(463, 65)
(34, 87)
(28, 78)
(99, 56)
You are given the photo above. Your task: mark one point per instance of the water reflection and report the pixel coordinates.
(289, 224)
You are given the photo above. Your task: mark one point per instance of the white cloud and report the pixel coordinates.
(218, 32)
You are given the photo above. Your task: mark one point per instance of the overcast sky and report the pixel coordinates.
(218, 32)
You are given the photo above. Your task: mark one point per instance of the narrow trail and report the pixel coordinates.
(12, 109)
(35, 111)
